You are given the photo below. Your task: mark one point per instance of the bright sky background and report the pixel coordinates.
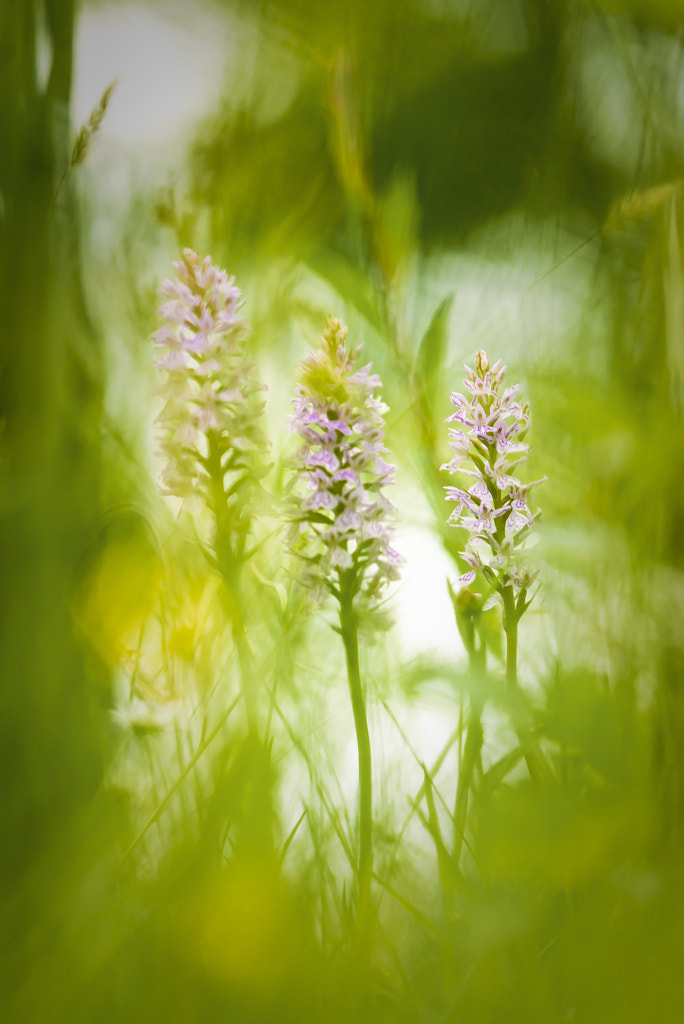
(169, 61)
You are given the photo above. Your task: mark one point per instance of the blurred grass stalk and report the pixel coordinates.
(50, 406)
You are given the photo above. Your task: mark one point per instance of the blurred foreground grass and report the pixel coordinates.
(443, 176)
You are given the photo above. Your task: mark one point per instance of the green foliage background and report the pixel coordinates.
(444, 176)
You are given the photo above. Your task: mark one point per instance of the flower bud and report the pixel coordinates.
(481, 363)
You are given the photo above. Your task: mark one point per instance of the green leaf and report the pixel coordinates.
(397, 217)
(447, 869)
(495, 775)
(433, 347)
(350, 282)
(290, 837)
(410, 907)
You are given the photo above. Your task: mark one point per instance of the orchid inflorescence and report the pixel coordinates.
(210, 432)
(489, 446)
(344, 518)
(211, 438)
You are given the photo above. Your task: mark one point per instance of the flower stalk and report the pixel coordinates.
(210, 431)
(488, 447)
(343, 526)
(511, 619)
(350, 637)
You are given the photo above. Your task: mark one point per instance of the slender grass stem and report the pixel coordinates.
(246, 669)
(472, 749)
(471, 754)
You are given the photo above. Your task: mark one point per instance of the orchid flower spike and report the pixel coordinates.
(344, 519)
(210, 433)
(489, 448)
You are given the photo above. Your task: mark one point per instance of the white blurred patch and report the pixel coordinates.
(421, 604)
(169, 64)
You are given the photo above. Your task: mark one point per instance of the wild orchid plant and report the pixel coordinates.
(344, 520)
(210, 432)
(488, 446)
(494, 511)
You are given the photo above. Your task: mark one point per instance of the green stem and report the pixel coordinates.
(244, 654)
(229, 565)
(537, 764)
(511, 630)
(349, 630)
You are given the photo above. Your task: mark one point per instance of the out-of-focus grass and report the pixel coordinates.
(438, 175)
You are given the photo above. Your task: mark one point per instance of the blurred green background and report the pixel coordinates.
(443, 175)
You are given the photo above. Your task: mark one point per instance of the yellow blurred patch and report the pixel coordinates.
(640, 204)
(117, 594)
(242, 929)
(196, 618)
(557, 839)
